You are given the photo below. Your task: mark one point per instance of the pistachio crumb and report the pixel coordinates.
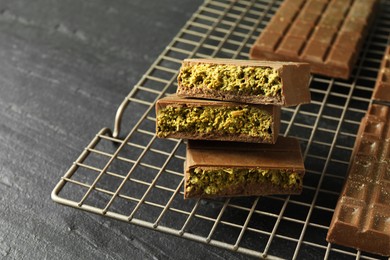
(260, 81)
(251, 121)
(218, 180)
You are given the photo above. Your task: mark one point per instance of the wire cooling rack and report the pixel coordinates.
(138, 178)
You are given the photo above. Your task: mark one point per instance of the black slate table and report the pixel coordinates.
(65, 67)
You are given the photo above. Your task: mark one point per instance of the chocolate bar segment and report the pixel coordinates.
(221, 169)
(326, 34)
(382, 86)
(256, 82)
(216, 120)
(362, 216)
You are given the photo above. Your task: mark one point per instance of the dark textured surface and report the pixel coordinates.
(65, 66)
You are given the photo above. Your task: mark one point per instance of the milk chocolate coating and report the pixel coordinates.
(295, 77)
(362, 216)
(285, 154)
(175, 101)
(326, 34)
(382, 86)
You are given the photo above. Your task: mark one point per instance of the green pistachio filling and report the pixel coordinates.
(216, 181)
(246, 120)
(260, 81)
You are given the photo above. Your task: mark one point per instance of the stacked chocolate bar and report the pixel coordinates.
(229, 110)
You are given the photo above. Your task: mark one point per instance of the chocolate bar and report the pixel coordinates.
(382, 86)
(222, 169)
(256, 82)
(362, 216)
(216, 120)
(326, 34)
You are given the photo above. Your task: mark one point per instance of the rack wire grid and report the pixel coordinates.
(139, 178)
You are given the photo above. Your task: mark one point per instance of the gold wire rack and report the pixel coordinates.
(138, 178)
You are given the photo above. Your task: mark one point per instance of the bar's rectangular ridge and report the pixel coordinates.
(362, 216)
(327, 34)
(382, 86)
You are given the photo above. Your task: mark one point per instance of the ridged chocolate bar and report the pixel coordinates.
(326, 34)
(221, 169)
(256, 82)
(362, 216)
(216, 120)
(382, 86)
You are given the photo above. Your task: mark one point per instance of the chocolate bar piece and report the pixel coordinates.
(326, 34)
(256, 82)
(382, 86)
(216, 120)
(222, 169)
(362, 216)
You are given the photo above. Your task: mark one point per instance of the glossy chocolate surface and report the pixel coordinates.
(362, 216)
(326, 33)
(382, 86)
